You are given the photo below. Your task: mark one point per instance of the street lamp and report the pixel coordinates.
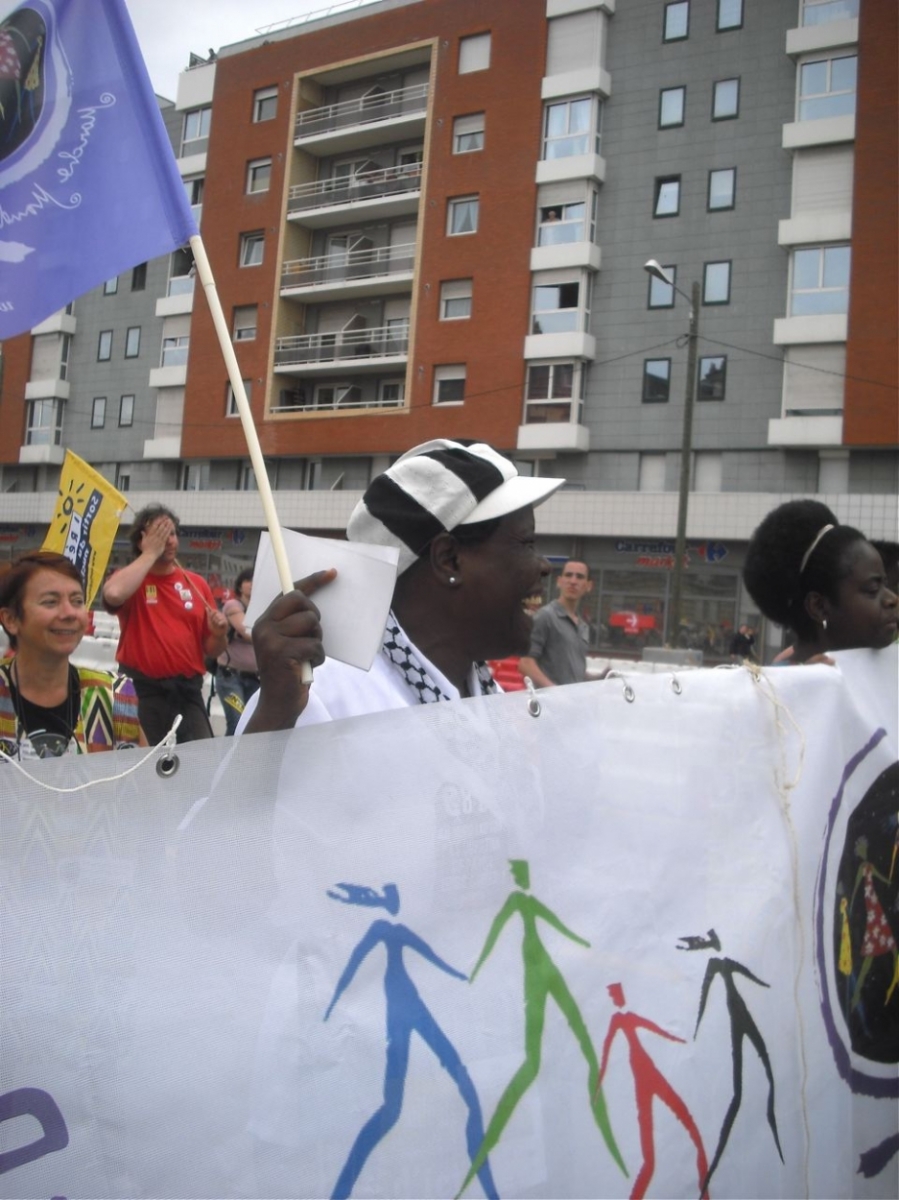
(686, 452)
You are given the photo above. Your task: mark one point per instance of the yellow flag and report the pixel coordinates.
(88, 511)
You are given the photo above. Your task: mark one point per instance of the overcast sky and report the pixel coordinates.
(168, 30)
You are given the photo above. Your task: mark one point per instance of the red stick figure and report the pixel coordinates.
(649, 1083)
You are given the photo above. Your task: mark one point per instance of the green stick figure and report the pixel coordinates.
(542, 979)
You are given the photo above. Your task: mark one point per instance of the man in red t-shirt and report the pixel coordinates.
(169, 624)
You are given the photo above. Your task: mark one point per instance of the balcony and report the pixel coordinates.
(362, 350)
(364, 121)
(339, 399)
(387, 191)
(179, 299)
(385, 269)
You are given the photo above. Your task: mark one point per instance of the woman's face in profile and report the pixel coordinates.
(865, 612)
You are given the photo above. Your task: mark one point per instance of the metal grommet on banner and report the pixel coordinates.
(676, 686)
(168, 762)
(535, 708)
(629, 694)
(167, 765)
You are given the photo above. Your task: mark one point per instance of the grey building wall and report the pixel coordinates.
(114, 445)
(637, 152)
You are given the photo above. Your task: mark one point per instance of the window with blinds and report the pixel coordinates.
(574, 43)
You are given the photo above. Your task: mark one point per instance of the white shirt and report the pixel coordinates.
(341, 691)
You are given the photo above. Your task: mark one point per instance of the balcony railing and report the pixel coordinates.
(348, 189)
(181, 285)
(372, 263)
(344, 400)
(385, 341)
(379, 106)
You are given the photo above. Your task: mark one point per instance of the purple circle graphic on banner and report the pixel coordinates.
(855, 944)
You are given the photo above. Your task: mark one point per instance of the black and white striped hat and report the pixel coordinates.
(436, 486)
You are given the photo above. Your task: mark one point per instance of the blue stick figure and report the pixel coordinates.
(406, 1012)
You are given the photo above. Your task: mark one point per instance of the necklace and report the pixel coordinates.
(47, 729)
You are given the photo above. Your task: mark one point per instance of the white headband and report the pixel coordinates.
(818, 536)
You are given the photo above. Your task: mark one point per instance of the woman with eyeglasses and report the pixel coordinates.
(48, 707)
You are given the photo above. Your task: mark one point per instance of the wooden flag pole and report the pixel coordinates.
(204, 274)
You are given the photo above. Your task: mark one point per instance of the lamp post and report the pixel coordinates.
(683, 498)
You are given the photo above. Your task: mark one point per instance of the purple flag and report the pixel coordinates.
(88, 182)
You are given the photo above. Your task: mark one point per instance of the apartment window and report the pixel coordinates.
(181, 273)
(337, 395)
(661, 295)
(827, 88)
(265, 104)
(716, 283)
(549, 392)
(194, 189)
(559, 307)
(231, 409)
(449, 384)
(652, 472)
(818, 12)
(468, 133)
(194, 477)
(671, 107)
(712, 377)
(568, 128)
(139, 277)
(391, 392)
(245, 317)
(64, 351)
(111, 286)
(174, 351)
(259, 175)
(730, 15)
(656, 380)
(561, 224)
(677, 21)
(43, 423)
(722, 188)
(820, 281)
(708, 470)
(455, 299)
(126, 411)
(122, 479)
(104, 346)
(667, 196)
(462, 215)
(196, 130)
(252, 246)
(246, 478)
(98, 412)
(132, 342)
(725, 99)
(474, 53)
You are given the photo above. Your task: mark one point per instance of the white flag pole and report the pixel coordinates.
(204, 274)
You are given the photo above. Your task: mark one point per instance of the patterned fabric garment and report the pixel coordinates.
(107, 717)
(399, 651)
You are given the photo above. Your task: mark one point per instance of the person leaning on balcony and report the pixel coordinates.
(169, 625)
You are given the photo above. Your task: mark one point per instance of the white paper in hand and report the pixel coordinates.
(353, 608)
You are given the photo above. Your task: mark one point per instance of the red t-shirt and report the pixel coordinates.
(163, 625)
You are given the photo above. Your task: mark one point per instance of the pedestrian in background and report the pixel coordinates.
(236, 676)
(169, 624)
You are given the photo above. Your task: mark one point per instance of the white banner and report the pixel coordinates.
(643, 943)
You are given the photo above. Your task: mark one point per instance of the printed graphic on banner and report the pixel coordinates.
(83, 528)
(88, 181)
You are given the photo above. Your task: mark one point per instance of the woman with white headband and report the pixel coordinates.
(823, 581)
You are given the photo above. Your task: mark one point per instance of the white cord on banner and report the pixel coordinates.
(535, 708)
(784, 789)
(166, 756)
(629, 694)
